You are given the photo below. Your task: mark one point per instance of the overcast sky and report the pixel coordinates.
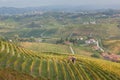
(37, 3)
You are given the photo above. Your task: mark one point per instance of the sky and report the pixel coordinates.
(38, 3)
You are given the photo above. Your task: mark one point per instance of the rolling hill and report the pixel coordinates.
(59, 24)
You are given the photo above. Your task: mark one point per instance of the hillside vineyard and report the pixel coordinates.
(56, 66)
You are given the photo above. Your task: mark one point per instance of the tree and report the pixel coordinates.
(96, 55)
(32, 24)
(59, 41)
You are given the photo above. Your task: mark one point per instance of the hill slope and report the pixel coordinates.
(9, 74)
(56, 66)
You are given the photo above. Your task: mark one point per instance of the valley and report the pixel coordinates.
(59, 45)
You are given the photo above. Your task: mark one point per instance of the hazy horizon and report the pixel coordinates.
(38, 3)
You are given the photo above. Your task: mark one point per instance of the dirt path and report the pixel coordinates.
(99, 46)
(72, 51)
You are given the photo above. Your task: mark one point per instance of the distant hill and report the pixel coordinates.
(54, 24)
(13, 11)
(62, 8)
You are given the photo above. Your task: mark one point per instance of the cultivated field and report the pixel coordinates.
(56, 66)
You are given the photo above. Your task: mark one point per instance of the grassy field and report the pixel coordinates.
(56, 48)
(46, 47)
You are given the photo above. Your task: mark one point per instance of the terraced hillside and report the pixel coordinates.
(55, 66)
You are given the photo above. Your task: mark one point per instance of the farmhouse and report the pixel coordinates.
(90, 41)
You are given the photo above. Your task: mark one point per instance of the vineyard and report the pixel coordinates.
(48, 66)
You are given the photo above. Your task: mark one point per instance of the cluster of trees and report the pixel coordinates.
(33, 25)
(74, 41)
